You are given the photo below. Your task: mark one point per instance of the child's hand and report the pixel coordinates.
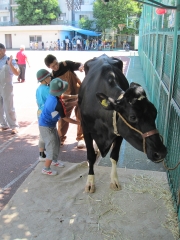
(9, 60)
(81, 68)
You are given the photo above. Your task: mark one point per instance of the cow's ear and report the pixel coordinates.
(106, 102)
(133, 84)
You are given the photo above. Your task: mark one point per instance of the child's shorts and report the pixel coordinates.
(51, 140)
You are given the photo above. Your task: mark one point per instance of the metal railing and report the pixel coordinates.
(159, 51)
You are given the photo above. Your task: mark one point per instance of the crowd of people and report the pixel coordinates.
(76, 43)
(56, 97)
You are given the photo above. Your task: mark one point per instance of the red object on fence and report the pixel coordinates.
(160, 11)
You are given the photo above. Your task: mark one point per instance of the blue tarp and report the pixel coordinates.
(87, 32)
(79, 30)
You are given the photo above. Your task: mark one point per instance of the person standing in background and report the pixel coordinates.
(67, 43)
(87, 44)
(58, 43)
(31, 44)
(78, 42)
(42, 45)
(22, 59)
(8, 67)
(36, 45)
(47, 45)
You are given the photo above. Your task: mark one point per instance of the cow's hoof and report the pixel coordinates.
(115, 187)
(90, 189)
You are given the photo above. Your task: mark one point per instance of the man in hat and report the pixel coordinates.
(52, 111)
(8, 67)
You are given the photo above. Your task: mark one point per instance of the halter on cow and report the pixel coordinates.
(111, 111)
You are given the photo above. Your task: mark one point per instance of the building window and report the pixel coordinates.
(62, 16)
(4, 1)
(5, 19)
(83, 16)
(35, 38)
(85, 2)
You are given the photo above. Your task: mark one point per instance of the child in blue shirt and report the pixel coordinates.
(42, 92)
(52, 111)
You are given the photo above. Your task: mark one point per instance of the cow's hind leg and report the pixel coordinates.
(114, 159)
(91, 156)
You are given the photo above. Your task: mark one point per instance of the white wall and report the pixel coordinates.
(22, 37)
(20, 34)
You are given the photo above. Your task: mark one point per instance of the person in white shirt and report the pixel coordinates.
(78, 42)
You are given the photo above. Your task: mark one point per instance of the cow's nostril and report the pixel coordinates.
(157, 156)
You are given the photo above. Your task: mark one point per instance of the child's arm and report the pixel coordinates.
(66, 96)
(70, 120)
(62, 113)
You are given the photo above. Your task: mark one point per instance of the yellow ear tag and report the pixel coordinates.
(104, 103)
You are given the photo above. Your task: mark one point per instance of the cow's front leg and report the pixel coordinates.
(114, 177)
(90, 186)
(91, 156)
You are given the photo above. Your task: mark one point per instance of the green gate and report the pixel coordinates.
(159, 51)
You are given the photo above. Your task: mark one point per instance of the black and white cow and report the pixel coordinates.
(112, 110)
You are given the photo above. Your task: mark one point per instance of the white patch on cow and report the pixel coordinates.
(114, 176)
(121, 96)
(115, 123)
(112, 74)
(96, 149)
(90, 180)
(141, 97)
(90, 187)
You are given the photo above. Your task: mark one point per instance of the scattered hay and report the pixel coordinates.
(159, 190)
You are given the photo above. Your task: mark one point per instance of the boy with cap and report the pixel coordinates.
(52, 111)
(42, 92)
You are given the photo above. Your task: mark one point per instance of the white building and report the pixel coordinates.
(13, 35)
(68, 16)
(72, 17)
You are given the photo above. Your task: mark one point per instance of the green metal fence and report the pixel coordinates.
(159, 51)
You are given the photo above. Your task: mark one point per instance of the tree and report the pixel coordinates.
(85, 23)
(37, 12)
(116, 11)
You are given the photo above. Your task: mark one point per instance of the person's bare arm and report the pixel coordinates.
(81, 68)
(15, 70)
(27, 62)
(79, 82)
(70, 120)
(66, 96)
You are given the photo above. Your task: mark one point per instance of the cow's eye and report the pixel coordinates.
(111, 80)
(133, 118)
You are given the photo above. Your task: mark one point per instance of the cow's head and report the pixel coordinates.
(136, 121)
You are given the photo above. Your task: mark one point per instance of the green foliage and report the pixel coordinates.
(115, 12)
(85, 23)
(37, 12)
